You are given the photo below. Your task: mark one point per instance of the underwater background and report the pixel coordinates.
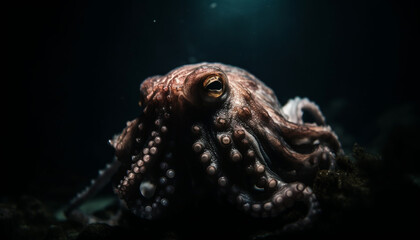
(76, 66)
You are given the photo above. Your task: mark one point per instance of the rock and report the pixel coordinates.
(55, 233)
(34, 211)
(10, 218)
(97, 231)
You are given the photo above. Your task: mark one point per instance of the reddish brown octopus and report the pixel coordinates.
(217, 123)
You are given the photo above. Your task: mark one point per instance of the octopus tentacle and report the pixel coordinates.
(124, 142)
(277, 196)
(294, 110)
(320, 153)
(227, 173)
(156, 189)
(208, 156)
(258, 161)
(304, 146)
(139, 185)
(288, 124)
(139, 164)
(283, 199)
(311, 132)
(264, 194)
(97, 184)
(309, 199)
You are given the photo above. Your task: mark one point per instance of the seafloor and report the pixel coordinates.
(366, 194)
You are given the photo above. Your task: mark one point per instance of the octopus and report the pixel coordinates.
(217, 124)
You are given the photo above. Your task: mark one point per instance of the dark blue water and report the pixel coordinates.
(78, 67)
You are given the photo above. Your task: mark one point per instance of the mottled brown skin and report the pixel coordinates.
(260, 155)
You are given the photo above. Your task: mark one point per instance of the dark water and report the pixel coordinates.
(76, 68)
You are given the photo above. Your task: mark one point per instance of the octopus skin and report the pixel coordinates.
(217, 123)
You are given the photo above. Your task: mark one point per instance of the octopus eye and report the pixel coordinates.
(206, 86)
(214, 86)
